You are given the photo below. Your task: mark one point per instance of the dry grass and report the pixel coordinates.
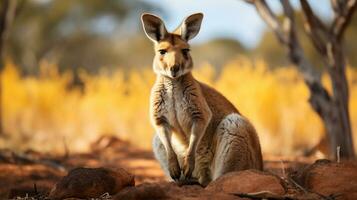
(41, 113)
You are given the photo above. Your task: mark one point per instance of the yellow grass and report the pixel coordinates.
(40, 113)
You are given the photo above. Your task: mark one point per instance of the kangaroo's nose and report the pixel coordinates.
(174, 69)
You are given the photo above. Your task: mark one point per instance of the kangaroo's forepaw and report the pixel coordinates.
(174, 169)
(188, 166)
(190, 181)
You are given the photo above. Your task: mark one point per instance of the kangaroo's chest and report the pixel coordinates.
(177, 109)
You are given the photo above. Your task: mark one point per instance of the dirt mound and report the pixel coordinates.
(171, 191)
(91, 183)
(35, 173)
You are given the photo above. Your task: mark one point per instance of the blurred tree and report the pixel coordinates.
(217, 52)
(333, 108)
(271, 51)
(351, 42)
(72, 33)
(274, 54)
(7, 14)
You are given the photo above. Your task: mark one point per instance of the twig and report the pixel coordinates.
(329, 197)
(66, 149)
(297, 185)
(338, 152)
(283, 168)
(264, 195)
(35, 188)
(105, 196)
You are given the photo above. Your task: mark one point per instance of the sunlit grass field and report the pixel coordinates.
(41, 113)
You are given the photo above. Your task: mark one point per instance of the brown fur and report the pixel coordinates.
(200, 135)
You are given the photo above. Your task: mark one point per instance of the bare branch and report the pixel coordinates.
(287, 35)
(270, 18)
(337, 5)
(296, 53)
(315, 28)
(249, 1)
(289, 28)
(6, 17)
(289, 22)
(343, 14)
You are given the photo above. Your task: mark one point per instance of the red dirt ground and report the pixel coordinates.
(36, 173)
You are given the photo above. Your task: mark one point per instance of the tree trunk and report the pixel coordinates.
(4, 7)
(7, 14)
(340, 132)
(334, 110)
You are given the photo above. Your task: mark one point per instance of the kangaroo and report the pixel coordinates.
(200, 135)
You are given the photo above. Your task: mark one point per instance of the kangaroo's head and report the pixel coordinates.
(172, 51)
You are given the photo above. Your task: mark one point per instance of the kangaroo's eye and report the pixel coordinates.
(162, 51)
(185, 51)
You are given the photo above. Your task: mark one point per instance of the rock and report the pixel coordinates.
(247, 181)
(170, 191)
(91, 183)
(235, 182)
(330, 178)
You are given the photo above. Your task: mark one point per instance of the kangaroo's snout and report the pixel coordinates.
(174, 69)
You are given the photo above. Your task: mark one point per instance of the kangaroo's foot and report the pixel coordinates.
(204, 180)
(188, 181)
(188, 166)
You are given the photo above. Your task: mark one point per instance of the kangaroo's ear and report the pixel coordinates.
(191, 26)
(153, 26)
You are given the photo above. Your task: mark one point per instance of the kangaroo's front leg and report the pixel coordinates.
(197, 131)
(164, 133)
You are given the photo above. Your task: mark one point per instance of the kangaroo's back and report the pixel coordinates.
(218, 104)
(226, 116)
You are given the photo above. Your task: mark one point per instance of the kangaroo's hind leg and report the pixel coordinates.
(237, 147)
